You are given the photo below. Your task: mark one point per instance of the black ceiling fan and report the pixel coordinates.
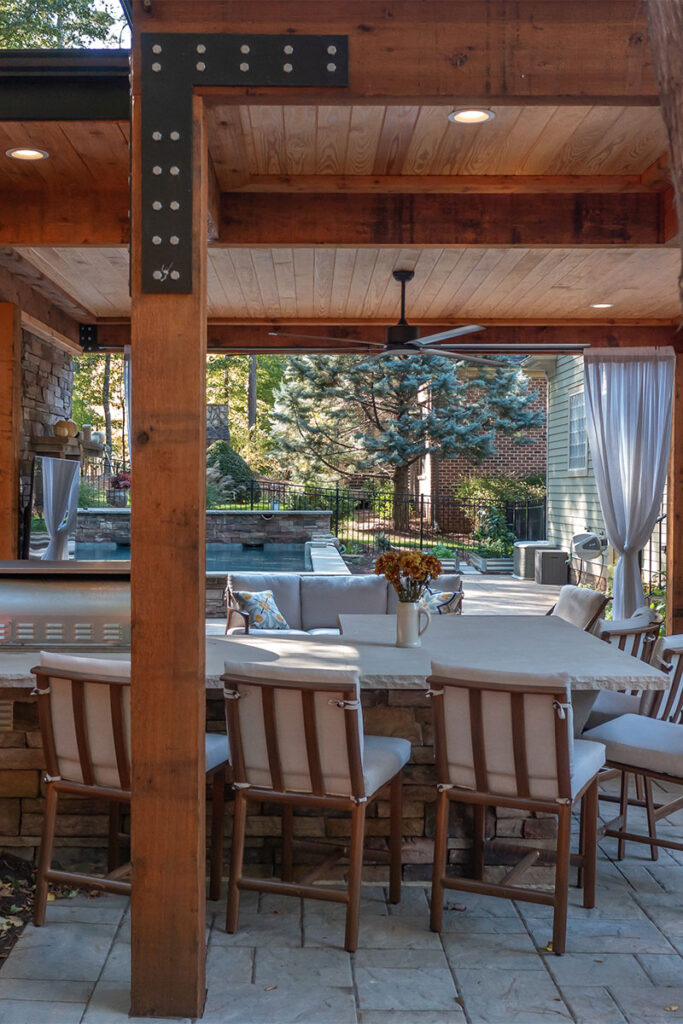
(404, 339)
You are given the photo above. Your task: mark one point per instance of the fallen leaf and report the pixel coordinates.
(51, 897)
(459, 1001)
(547, 949)
(270, 988)
(671, 1008)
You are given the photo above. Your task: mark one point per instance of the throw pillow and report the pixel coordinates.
(263, 611)
(446, 602)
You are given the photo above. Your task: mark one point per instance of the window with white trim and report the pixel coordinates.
(577, 432)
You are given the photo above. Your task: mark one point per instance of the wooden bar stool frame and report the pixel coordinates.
(356, 803)
(115, 880)
(481, 798)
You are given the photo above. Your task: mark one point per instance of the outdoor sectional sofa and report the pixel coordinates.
(311, 603)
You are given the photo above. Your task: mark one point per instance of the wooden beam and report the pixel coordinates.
(250, 337)
(465, 50)
(47, 333)
(10, 428)
(453, 221)
(27, 288)
(453, 184)
(69, 217)
(168, 567)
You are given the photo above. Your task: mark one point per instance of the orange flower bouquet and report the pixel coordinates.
(409, 572)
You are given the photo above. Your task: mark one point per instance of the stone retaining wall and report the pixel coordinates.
(226, 527)
(82, 824)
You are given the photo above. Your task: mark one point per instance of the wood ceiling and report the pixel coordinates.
(339, 285)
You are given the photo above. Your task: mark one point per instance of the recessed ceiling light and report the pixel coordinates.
(24, 153)
(471, 115)
(601, 305)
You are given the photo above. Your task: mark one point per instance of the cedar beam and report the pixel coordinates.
(466, 184)
(462, 50)
(10, 428)
(167, 589)
(37, 298)
(240, 338)
(453, 221)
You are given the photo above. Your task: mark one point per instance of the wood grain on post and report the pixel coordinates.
(10, 428)
(168, 568)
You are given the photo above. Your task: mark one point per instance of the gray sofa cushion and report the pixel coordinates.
(323, 598)
(449, 581)
(285, 587)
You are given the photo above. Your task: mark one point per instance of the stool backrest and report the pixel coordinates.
(668, 704)
(289, 734)
(84, 711)
(503, 738)
(579, 605)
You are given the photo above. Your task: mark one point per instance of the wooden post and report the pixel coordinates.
(674, 519)
(10, 428)
(168, 570)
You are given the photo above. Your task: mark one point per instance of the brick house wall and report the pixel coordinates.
(510, 459)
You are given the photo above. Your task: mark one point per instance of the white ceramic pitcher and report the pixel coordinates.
(408, 624)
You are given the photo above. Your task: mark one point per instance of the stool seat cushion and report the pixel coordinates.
(589, 758)
(610, 704)
(216, 749)
(642, 742)
(383, 757)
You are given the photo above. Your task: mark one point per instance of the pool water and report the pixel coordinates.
(219, 557)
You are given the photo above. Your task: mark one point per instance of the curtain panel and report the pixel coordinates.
(629, 394)
(60, 504)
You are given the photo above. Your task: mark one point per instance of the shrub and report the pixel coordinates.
(493, 536)
(234, 474)
(496, 487)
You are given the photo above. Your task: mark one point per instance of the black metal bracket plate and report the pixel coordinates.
(172, 64)
(87, 335)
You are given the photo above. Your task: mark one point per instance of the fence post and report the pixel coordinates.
(251, 493)
(422, 519)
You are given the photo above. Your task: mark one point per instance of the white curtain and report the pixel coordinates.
(60, 504)
(628, 422)
(126, 390)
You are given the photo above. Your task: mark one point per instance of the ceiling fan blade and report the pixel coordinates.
(464, 357)
(325, 337)
(455, 332)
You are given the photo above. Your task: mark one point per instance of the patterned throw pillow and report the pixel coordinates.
(446, 602)
(262, 609)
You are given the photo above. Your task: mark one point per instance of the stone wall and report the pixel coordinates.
(221, 527)
(47, 381)
(82, 824)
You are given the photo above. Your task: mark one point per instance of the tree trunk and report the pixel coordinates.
(665, 19)
(226, 396)
(401, 505)
(251, 393)
(105, 405)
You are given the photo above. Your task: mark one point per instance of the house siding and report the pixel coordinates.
(572, 503)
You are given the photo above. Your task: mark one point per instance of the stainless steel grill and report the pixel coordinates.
(64, 604)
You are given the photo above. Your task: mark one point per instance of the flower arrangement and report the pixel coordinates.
(120, 482)
(409, 572)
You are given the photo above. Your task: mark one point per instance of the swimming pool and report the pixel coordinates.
(219, 557)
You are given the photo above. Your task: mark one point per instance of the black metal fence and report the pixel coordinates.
(653, 558)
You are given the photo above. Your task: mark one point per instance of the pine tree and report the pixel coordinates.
(344, 414)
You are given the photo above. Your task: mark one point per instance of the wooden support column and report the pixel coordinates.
(10, 428)
(674, 519)
(168, 334)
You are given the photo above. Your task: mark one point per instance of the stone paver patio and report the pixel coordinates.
(287, 964)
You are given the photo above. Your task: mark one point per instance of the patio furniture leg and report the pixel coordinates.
(623, 815)
(589, 843)
(562, 880)
(217, 819)
(46, 847)
(238, 832)
(395, 843)
(355, 876)
(114, 852)
(651, 817)
(580, 874)
(287, 843)
(439, 870)
(479, 840)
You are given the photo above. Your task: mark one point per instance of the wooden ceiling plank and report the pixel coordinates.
(226, 273)
(332, 137)
(344, 262)
(447, 260)
(445, 297)
(364, 134)
(262, 260)
(323, 276)
(268, 135)
(380, 281)
(565, 121)
(283, 262)
(635, 140)
(227, 148)
(585, 147)
(300, 125)
(430, 127)
(363, 269)
(485, 152)
(397, 131)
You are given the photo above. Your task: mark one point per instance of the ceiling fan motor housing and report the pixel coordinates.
(402, 334)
